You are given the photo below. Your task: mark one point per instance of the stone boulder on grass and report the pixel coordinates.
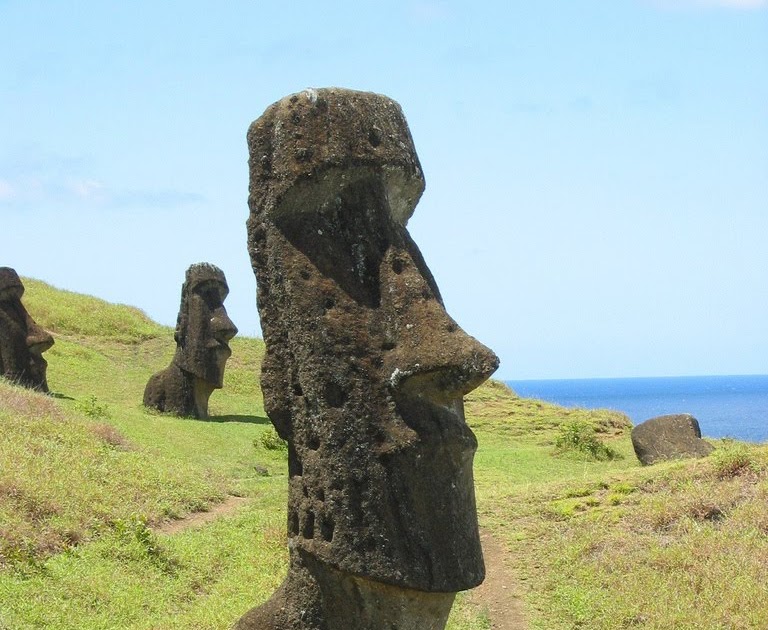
(674, 436)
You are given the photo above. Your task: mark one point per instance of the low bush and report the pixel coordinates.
(580, 436)
(271, 441)
(735, 458)
(91, 407)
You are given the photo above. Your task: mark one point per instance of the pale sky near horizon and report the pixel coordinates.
(597, 171)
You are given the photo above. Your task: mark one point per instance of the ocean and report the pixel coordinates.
(725, 406)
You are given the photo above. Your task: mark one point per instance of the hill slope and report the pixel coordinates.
(87, 474)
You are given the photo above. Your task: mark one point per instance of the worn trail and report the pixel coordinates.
(498, 593)
(230, 505)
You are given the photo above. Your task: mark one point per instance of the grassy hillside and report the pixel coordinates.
(610, 544)
(88, 475)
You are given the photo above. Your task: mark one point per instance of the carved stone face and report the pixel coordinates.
(365, 372)
(203, 330)
(22, 340)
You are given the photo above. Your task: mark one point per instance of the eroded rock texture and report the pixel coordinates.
(364, 373)
(203, 332)
(22, 340)
(669, 437)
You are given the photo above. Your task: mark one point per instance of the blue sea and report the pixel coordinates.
(725, 406)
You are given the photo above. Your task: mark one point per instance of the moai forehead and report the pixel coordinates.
(200, 273)
(9, 279)
(308, 146)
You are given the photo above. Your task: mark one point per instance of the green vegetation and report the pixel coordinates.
(63, 312)
(579, 436)
(88, 478)
(603, 543)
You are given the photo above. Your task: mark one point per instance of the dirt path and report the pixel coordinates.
(196, 519)
(497, 594)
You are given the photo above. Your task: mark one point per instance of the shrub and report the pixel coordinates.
(136, 542)
(579, 436)
(91, 407)
(733, 459)
(270, 440)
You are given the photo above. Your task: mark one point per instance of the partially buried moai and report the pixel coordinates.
(22, 340)
(203, 332)
(364, 373)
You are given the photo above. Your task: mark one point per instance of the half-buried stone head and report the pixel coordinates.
(203, 332)
(22, 340)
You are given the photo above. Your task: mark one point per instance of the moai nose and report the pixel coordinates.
(38, 340)
(428, 353)
(442, 362)
(222, 327)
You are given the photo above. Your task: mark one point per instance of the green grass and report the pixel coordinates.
(64, 312)
(678, 547)
(611, 544)
(133, 578)
(65, 479)
(87, 475)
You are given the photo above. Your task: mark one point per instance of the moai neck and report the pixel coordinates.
(201, 391)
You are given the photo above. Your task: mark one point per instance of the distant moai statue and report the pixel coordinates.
(203, 332)
(22, 340)
(364, 372)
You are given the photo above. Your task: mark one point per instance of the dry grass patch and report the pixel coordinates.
(63, 478)
(679, 545)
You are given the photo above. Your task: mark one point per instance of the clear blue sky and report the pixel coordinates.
(597, 171)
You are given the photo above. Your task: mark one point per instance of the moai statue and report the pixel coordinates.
(364, 373)
(203, 331)
(22, 340)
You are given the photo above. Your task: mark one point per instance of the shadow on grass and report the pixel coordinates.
(237, 418)
(59, 396)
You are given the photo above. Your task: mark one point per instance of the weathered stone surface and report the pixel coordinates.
(22, 340)
(364, 373)
(203, 332)
(669, 437)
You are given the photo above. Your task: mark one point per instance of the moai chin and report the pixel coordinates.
(203, 332)
(22, 340)
(364, 373)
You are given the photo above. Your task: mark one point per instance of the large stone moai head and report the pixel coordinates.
(203, 332)
(365, 372)
(22, 340)
(203, 328)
